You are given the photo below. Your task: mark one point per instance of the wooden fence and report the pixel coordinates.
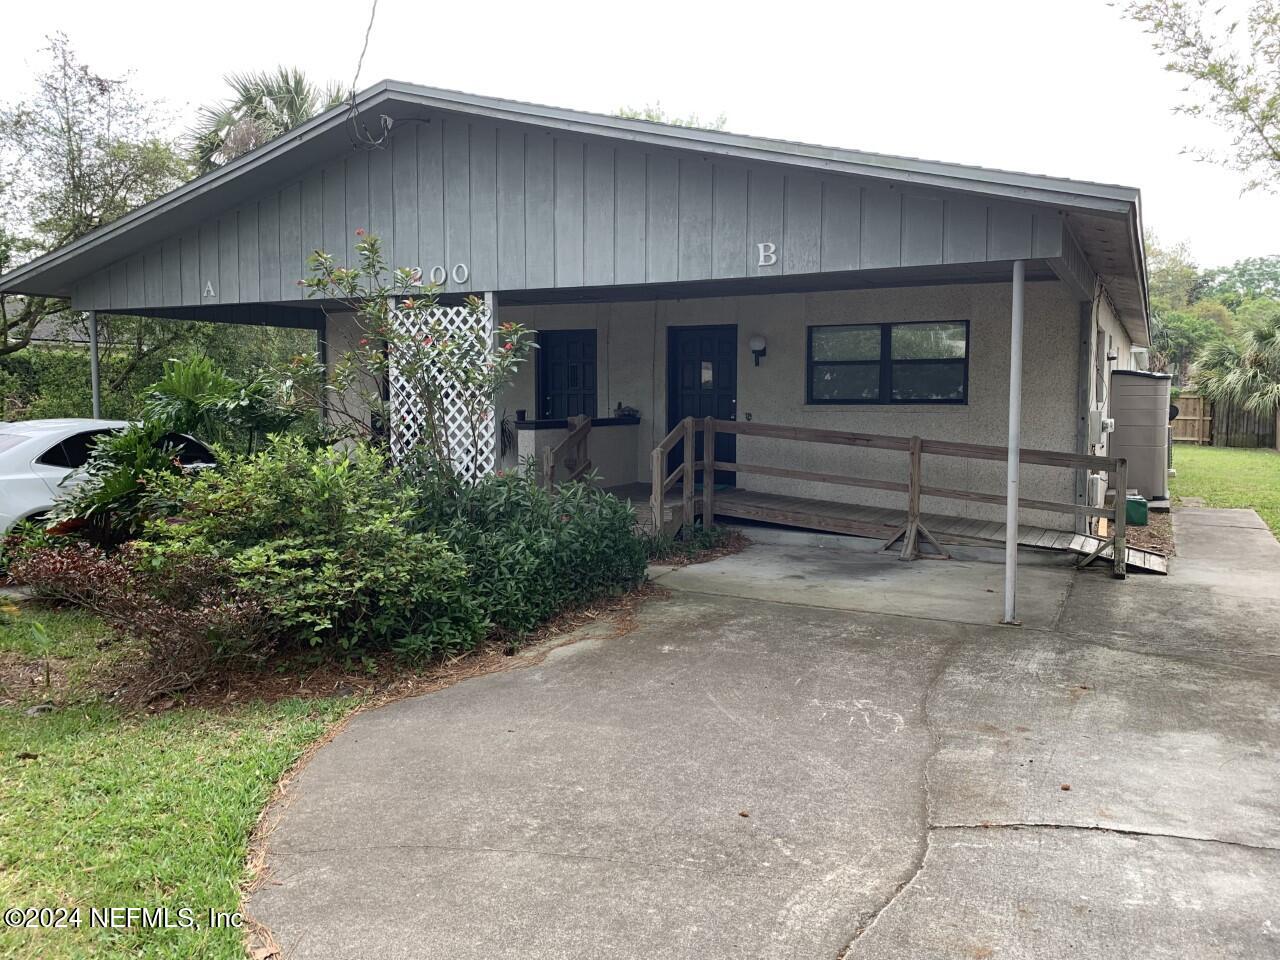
(1194, 423)
(1221, 425)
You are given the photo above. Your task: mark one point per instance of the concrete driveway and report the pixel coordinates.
(771, 764)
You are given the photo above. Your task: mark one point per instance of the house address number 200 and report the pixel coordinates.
(438, 274)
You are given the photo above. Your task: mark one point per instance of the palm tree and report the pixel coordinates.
(263, 105)
(1245, 372)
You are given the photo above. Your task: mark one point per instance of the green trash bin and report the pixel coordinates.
(1135, 510)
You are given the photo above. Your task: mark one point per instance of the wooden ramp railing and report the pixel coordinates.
(913, 530)
(571, 454)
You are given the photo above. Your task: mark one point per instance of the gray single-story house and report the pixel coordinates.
(674, 272)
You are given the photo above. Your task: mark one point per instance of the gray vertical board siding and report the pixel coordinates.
(728, 220)
(923, 220)
(539, 210)
(228, 284)
(662, 232)
(510, 188)
(764, 219)
(457, 196)
(569, 190)
(119, 286)
(965, 230)
(430, 195)
(1046, 239)
(333, 211)
(312, 214)
(356, 212)
(696, 203)
(269, 248)
(381, 218)
(100, 288)
(209, 272)
(801, 246)
(250, 255)
(630, 192)
(189, 250)
(1009, 232)
(171, 265)
(525, 208)
(404, 197)
(841, 224)
(153, 276)
(598, 214)
(135, 280)
(483, 262)
(881, 227)
(293, 255)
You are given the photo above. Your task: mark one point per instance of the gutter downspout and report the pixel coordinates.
(1015, 446)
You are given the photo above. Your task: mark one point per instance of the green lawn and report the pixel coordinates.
(104, 809)
(1230, 477)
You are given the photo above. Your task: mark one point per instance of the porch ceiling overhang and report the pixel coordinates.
(603, 201)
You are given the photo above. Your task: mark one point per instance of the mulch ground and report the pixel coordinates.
(1157, 535)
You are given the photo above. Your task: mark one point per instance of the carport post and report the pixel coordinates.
(95, 386)
(1015, 446)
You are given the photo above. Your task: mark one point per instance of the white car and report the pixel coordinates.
(40, 459)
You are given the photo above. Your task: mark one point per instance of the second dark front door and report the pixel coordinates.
(702, 381)
(566, 374)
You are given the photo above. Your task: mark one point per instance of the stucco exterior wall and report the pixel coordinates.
(631, 347)
(1108, 335)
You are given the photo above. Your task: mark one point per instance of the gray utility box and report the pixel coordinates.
(1140, 408)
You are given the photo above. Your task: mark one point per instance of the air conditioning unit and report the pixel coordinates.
(1139, 358)
(1097, 489)
(1098, 426)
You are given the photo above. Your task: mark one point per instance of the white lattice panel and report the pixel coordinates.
(470, 447)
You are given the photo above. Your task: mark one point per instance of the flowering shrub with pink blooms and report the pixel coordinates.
(470, 368)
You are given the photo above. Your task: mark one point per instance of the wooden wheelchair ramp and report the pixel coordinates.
(677, 498)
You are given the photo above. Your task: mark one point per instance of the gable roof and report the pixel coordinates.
(1104, 219)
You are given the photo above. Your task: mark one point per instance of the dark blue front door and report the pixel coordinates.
(702, 381)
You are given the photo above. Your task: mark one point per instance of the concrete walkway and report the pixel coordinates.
(773, 765)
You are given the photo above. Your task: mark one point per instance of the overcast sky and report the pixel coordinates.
(1064, 88)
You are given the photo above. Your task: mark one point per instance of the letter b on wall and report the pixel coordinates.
(768, 254)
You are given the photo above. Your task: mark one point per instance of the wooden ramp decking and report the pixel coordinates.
(862, 521)
(833, 517)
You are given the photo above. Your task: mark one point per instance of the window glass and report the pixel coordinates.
(845, 381)
(888, 363)
(72, 452)
(928, 341)
(861, 342)
(189, 451)
(928, 381)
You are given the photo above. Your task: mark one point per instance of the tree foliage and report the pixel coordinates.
(1233, 74)
(654, 113)
(263, 105)
(80, 152)
(1244, 372)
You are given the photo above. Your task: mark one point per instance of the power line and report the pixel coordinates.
(358, 130)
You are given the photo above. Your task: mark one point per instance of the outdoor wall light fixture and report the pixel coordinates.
(757, 344)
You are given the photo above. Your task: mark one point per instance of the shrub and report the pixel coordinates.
(189, 615)
(531, 552)
(325, 539)
(106, 506)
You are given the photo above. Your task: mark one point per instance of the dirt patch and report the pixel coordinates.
(385, 678)
(1157, 535)
(728, 543)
